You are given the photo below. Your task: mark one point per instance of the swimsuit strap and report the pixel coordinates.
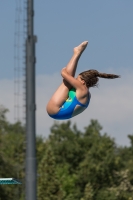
(83, 105)
(72, 94)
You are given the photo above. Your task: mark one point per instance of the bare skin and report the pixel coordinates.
(69, 81)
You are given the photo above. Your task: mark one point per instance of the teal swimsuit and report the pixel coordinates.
(67, 109)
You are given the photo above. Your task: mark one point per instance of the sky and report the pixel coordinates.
(59, 27)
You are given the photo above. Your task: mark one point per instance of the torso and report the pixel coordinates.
(82, 95)
(82, 103)
(72, 106)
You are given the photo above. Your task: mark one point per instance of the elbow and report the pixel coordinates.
(63, 71)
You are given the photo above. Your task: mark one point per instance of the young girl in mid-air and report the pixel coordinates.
(73, 96)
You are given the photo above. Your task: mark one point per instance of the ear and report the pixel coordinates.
(83, 82)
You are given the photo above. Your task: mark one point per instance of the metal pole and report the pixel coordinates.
(31, 171)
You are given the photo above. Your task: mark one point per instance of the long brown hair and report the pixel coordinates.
(91, 77)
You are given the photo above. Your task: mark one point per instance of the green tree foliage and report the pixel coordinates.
(41, 146)
(64, 141)
(88, 193)
(100, 162)
(72, 164)
(89, 158)
(48, 183)
(11, 155)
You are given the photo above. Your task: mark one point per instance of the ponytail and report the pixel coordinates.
(109, 76)
(91, 77)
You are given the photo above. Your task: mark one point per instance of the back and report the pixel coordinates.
(78, 106)
(71, 107)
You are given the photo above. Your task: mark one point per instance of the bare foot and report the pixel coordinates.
(79, 49)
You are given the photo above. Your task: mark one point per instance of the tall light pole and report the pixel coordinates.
(31, 171)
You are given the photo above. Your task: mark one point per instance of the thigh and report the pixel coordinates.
(58, 98)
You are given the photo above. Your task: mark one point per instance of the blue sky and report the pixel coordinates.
(61, 25)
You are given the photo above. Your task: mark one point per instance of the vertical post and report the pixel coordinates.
(31, 174)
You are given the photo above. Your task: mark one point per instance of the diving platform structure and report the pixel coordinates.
(8, 181)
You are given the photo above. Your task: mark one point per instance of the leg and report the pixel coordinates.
(61, 93)
(72, 65)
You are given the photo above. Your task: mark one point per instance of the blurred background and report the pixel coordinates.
(59, 27)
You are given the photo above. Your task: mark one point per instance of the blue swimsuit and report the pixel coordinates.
(67, 109)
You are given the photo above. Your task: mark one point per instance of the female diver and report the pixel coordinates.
(73, 96)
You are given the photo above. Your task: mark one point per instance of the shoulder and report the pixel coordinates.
(82, 92)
